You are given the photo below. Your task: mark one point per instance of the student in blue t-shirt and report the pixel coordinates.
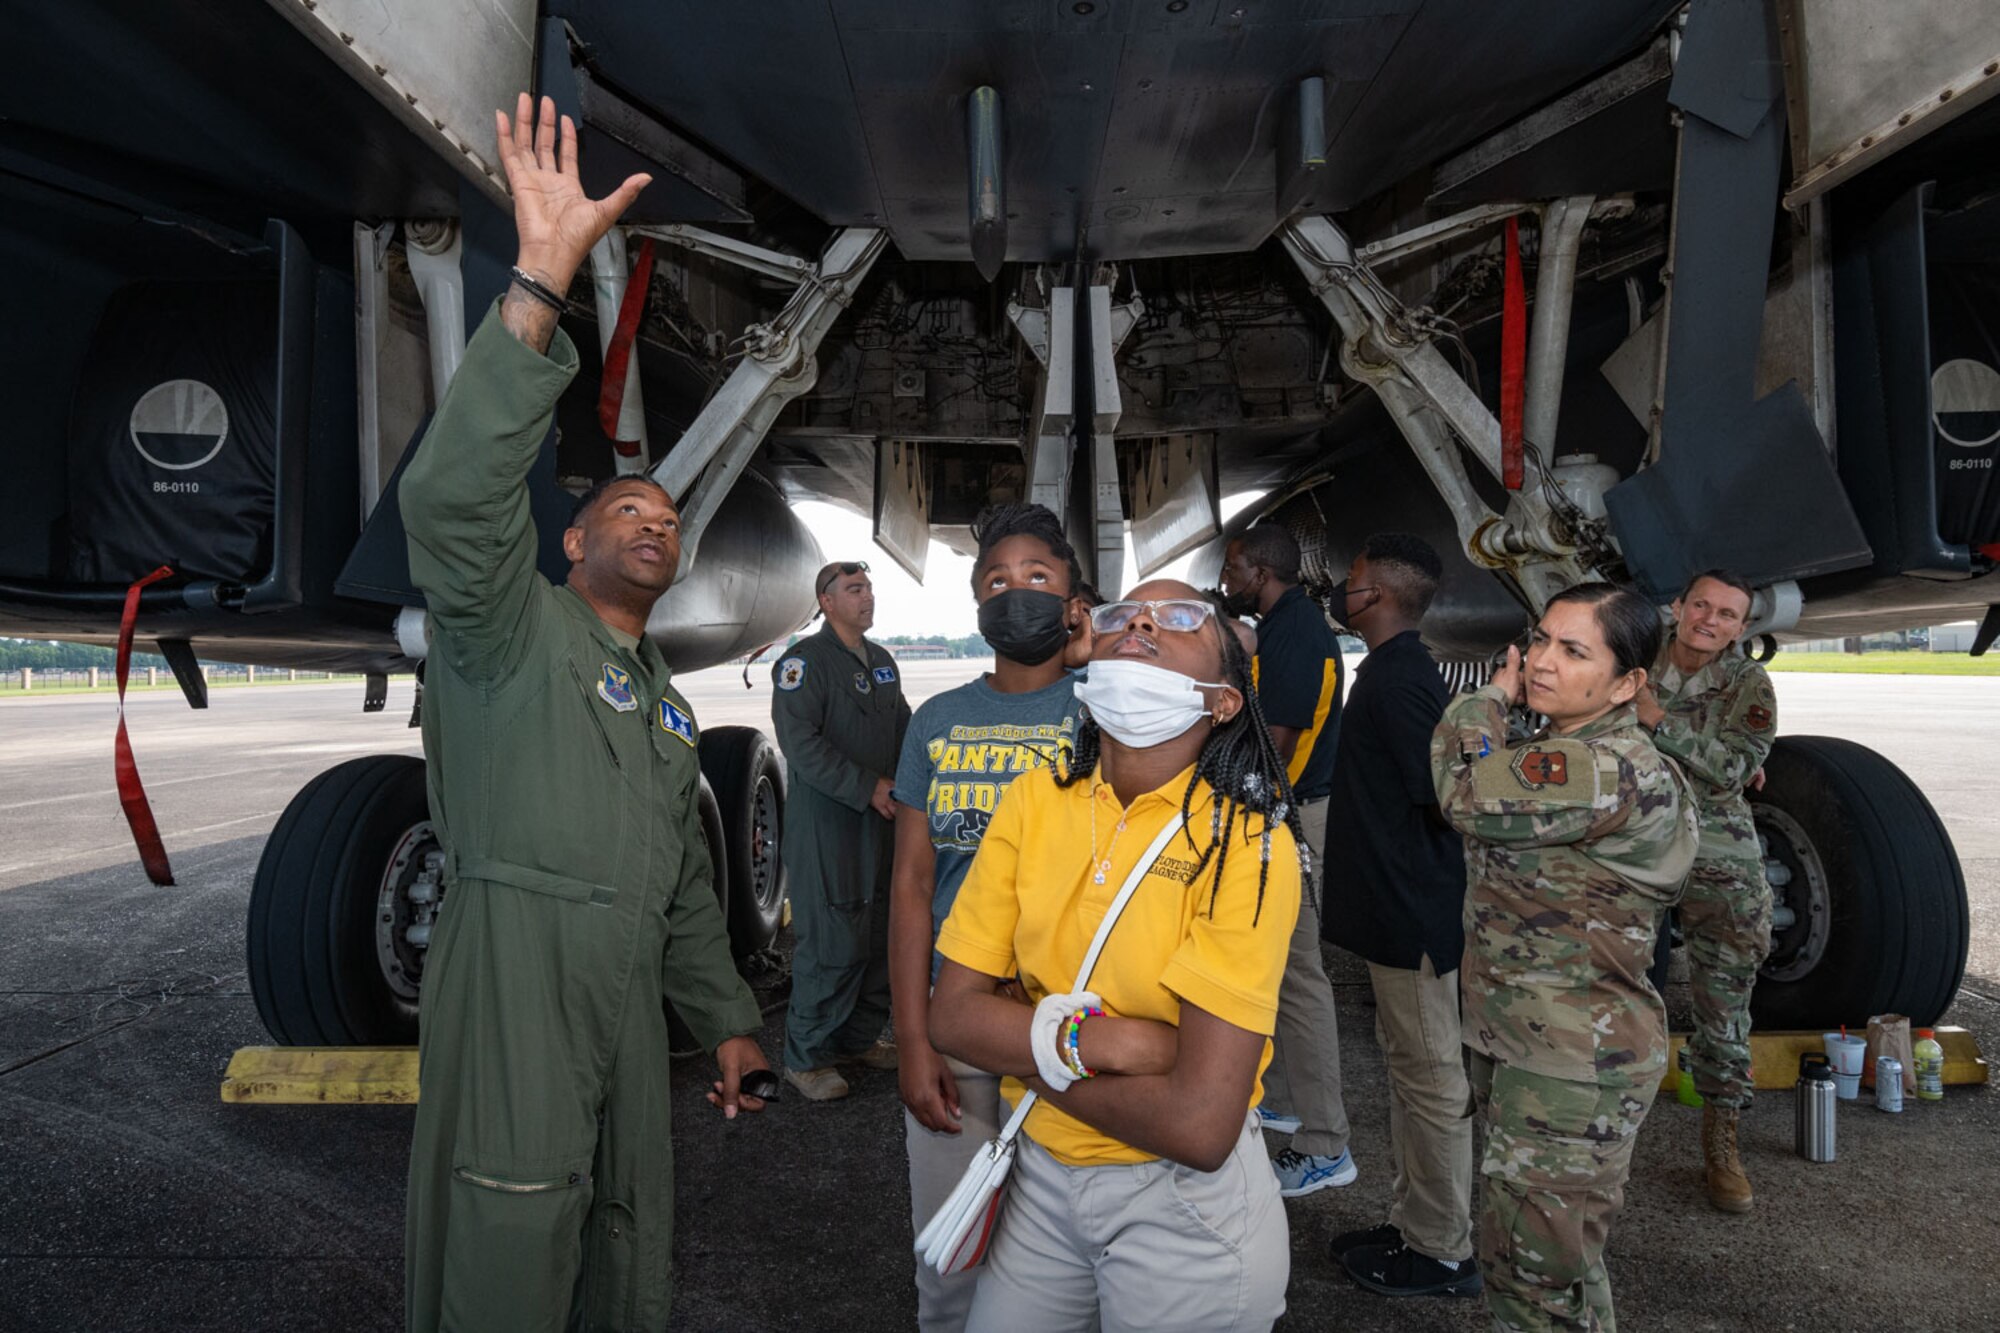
(961, 750)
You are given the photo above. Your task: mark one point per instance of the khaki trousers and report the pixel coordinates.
(1150, 1247)
(1304, 1077)
(937, 1163)
(1430, 1108)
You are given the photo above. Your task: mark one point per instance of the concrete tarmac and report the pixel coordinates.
(132, 1198)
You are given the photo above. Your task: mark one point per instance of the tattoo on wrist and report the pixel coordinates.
(527, 318)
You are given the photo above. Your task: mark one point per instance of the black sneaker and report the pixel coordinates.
(1398, 1270)
(1385, 1234)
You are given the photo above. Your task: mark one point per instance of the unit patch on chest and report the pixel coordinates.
(861, 682)
(885, 675)
(616, 689)
(674, 720)
(791, 673)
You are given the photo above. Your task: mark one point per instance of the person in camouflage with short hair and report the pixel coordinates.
(1577, 841)
(1713, 711)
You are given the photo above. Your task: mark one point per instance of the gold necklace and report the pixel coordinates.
(1103, 866)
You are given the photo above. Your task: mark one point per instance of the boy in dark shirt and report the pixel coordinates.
(1398, 904)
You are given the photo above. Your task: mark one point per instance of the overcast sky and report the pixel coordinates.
(942, 606)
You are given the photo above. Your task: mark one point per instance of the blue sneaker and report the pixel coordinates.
(1276, 1123)
(1300, 1173)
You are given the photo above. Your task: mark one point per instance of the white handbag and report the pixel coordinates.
(957, 1236)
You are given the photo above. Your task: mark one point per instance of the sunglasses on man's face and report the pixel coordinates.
(845, 568)
(1182, 616)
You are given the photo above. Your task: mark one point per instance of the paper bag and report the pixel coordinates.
(1889, 1034)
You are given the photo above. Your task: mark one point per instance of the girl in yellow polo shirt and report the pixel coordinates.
(1141, 1196)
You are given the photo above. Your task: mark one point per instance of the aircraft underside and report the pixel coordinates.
(1626, 295)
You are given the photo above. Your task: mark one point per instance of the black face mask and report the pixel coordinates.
(1238, 604)
(1336, 605)
(1024, 625)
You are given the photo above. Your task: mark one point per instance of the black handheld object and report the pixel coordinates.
(761, 1084)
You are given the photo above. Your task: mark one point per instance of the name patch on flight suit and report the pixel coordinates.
(674, 720)
(861, 682)
(616, 689)
(791, 673)
(885, 675)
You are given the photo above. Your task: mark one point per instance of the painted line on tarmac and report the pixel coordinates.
(127, 846)
(112, 792)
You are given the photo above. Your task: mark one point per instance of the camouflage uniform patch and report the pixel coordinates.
(1719, 727)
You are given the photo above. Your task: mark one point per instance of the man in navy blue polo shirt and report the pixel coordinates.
(1298, 675)
(1398, 903)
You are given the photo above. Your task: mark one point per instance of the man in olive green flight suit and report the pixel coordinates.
(579, 894)
(838, 707)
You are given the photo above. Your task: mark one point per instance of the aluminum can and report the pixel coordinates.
(1888, 1083)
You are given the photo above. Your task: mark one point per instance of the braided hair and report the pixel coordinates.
(1238, 762)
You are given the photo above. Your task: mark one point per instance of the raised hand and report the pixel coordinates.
(557, 223)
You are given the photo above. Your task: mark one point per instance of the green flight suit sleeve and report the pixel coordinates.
(464, 497)
(1540, 794)
(1724, 745)
(700, 975)
(799, 715)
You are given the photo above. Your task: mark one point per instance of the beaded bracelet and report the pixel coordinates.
(1069, 1041)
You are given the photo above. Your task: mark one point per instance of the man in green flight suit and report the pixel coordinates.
(563, 780)
(839, 711)
(1713, 711)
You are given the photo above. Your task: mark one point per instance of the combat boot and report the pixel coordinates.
(1728, 1186)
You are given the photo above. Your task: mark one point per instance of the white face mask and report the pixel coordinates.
(1140, 705)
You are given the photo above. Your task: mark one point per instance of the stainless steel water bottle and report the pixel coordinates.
(1813, 1133)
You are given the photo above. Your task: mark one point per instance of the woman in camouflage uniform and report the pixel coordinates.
(1577, 841)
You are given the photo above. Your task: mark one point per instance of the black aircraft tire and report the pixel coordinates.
(343, 978)
(310, 946)
(743, 767)
(1881, 868)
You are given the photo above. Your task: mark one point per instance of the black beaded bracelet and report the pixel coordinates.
(527, 283)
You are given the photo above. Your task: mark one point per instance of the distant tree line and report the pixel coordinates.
(45, 655)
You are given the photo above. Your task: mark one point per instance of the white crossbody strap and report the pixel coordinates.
(1111, 914)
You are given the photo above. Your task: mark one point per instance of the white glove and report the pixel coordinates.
(1047, 1028)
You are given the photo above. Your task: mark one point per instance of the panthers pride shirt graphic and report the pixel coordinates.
(972, 765)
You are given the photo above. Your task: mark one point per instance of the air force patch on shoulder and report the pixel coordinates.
(674, 720)
(616, 689)
(885, 675)
(1541, 768)
(791, 673)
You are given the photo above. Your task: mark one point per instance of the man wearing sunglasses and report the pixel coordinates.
(837, 705)
(1298, 675)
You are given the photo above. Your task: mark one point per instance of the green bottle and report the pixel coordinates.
(1928, 1057)
(1684, 1091)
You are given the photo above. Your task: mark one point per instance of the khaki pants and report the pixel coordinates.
(1152, 1247)
(937, 1163)
(1304, 1077)
(1430, 1108)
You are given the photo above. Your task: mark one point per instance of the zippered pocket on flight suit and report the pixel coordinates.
(563, 1182)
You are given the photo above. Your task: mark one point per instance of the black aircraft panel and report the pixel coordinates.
(1132, 128)
(221, 109)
